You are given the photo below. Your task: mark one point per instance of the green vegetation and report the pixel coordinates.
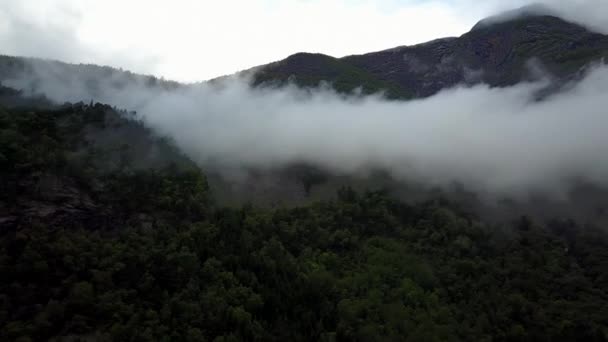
(311, 70)
(114, 250)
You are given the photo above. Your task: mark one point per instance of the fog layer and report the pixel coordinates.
(492, 140)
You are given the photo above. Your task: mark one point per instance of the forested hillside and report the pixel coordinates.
(109, 233)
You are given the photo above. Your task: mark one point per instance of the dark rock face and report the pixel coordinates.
(51, 201)
(498, 53)
(422, 69)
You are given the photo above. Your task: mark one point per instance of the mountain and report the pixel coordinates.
(109, 232)
(516, 46)
(12, 67)
(499, 50)
(496, 52)
(68, 82)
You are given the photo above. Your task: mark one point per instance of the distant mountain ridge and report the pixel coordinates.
(496, 52)
(500, 51)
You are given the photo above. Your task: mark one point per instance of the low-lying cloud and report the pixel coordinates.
(491, 140)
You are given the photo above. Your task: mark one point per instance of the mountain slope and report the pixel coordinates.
(54, 78)
(58, 164)
(496, 53)
(109, 233)
(93, 248)
(309, 70)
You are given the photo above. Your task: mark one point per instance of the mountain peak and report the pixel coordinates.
(530, 11)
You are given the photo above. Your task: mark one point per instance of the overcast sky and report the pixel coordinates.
(193, 40)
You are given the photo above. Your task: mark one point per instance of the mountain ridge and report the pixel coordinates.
(498, 54)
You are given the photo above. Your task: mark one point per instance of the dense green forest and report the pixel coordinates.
(107, 238)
